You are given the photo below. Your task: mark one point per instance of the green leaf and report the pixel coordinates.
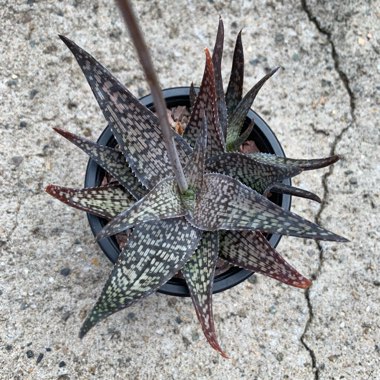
(206, 102)
(111, 160)
(241, 139)
(104, 201)
(310, 164)
(227, 204)
(281, 188)
(135, 128)
(251, 170)
(199, 275)
(251, 250)
(235, 86)
(237, 118)
(196, 165)
(217, 63)
(162, 202)
(154, 253)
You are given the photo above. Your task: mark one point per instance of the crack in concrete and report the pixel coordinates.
(319, 131)
(346, 83)
(13, 229)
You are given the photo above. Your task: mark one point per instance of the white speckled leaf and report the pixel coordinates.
(206, 102)
(154, 253)
(135, 128)
(104, 201)
(252, 171)
(251, 250)
(217, 55)
(235, 86)
(162, 202)
(199, 275)
(227, 204)
(111, 160)
(310, 164)
(196, 165)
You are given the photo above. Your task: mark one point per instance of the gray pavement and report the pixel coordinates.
(325, 100)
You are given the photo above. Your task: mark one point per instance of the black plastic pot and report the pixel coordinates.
(265, 140)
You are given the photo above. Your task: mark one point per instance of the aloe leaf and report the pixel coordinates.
(251, 250)
(111, 160)
(196, 164)
(162, 202)
(146, 62)
(217, 63)
(135, 128)
(192, 96)
(241, 139)
(227, 204)
(235, 86)
(251, 170)
(104, 201)
(199, 275)
(237, 118)
(310, 164)
(154, 253)
(206, 102)
(281, 188)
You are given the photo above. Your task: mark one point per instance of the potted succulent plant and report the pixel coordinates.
(185, 201)
(226, 276)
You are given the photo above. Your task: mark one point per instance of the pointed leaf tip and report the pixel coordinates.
(305, 284)
(49, 188)
(81, 334)
(54, 191)
(66, 40)
(342, 239)
(208, 54)
(285, 189)
(88, 324)
(224, 354)
(317, 163)
(70, 44)
(215, 345)
(302, 164)
(66, 134)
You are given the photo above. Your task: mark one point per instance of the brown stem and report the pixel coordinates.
(159, 103)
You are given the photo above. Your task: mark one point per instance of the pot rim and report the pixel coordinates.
(178, 287)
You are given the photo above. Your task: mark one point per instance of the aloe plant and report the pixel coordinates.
(216, 206)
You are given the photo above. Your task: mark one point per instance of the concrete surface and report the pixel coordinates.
(325, 100)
